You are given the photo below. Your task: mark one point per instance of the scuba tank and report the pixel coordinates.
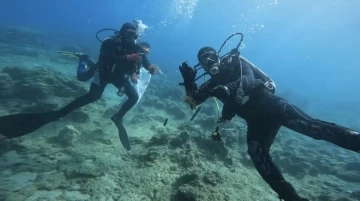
(261, 76)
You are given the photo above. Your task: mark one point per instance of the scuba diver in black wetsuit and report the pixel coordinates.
(86, 68)
(119, 55)
(236, 82)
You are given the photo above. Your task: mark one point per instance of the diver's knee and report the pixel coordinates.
(93, 96)
(133, 98)
(256, 151)
(260, 158)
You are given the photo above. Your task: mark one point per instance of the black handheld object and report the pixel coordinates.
(215, 135)
(165, 122)
(196, 112)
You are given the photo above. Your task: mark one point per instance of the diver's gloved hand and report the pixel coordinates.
(134, 57)
(188, 73)
(220, 92)
(240, 96)
(134, 78)
(82, 56)
(227, 113)
(153, 69)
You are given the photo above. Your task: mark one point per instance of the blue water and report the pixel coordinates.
(308, 46)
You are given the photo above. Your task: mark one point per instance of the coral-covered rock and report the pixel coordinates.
(90, 168)
(6, 85)
(159, 140)
(185, 188)
(180, 140)
(21, 36)
(38, 83)
(68, 136)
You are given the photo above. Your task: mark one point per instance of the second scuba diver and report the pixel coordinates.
(118, 59)
(248, 93)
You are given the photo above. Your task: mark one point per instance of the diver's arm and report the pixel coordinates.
(92, 69)
(198, 96)
(247, 79)
(145, 62)
(107, 50)
(91, 66)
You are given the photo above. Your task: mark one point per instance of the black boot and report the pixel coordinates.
(287, 192)
(291, 195)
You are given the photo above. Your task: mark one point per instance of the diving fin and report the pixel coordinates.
(124, 139)
(17, 125)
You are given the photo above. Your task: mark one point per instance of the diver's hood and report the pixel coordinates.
(128, 27)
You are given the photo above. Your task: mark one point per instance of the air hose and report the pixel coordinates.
(116, 32)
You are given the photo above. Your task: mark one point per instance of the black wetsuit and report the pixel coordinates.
(85, 76)
(112, 67)
(265, 113)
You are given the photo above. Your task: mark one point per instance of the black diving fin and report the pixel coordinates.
(124, 139)
(17, 125)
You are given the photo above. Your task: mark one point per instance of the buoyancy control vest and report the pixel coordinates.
(262, 76)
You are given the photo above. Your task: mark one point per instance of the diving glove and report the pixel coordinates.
(227, 113)
(153, 69)
(188, 73)
(240, 96)
(134, 57)
(220, 92)
(81, 56)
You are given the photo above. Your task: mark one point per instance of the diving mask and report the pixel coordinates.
(210, 62)
(146, 50)
(130, 35)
